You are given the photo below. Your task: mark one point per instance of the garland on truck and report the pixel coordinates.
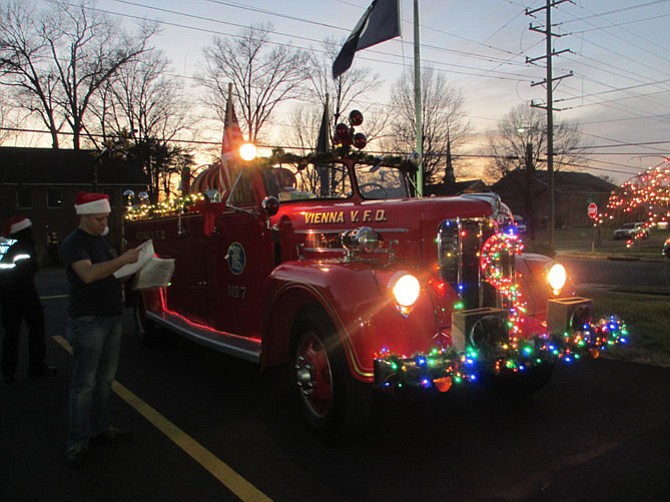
(498, 250)
(441, 368)
(173, 206)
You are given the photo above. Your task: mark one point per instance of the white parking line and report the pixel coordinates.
(212, 464)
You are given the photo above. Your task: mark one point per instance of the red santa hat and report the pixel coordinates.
(92, 203)
(16, 224)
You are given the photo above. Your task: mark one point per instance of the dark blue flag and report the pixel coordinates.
(380, 22)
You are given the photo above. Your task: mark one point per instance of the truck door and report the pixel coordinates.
(242, 253)
(188, 293)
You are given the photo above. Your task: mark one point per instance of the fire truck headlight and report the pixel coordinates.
(406, 289)
(557, 277)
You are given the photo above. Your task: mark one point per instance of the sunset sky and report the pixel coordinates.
(618, 54)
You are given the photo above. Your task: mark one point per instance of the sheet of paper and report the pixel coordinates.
(155, 274)
(146, 252)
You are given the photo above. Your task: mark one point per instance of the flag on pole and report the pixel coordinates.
(230, 143)
(232, 134)
(323, 146)
(380, 22)
(323, 141)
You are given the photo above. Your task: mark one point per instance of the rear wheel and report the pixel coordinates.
(334, 404)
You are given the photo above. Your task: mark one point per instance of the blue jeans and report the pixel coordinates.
(96, 342)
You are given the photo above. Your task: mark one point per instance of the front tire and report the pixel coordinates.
(334, 404)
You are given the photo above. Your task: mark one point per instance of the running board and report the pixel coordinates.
(245, 348)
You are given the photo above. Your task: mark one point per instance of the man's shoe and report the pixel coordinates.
(76, 456)
(43, 371)
(113, 435)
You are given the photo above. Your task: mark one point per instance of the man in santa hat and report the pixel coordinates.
(21, 301)
(94, 312)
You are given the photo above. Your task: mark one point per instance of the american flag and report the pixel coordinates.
(232, 134)
(230, 143)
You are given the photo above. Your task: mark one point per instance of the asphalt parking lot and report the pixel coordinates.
(208, 427)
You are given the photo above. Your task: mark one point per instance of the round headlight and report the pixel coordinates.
(406, 290)
(557, 277)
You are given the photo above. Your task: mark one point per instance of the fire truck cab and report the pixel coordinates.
(335, 269)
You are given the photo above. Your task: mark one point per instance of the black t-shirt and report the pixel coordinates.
(100, 298)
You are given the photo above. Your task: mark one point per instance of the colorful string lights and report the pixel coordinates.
(171, 207)
(645, 198)
(441, 368)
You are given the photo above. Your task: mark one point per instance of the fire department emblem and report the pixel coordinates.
(236, 258)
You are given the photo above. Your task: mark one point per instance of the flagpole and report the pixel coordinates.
(229, 105)
(417, 102)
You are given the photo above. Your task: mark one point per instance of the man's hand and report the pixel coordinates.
(89, 272)
(130, 256)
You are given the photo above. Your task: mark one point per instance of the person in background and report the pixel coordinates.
(21, 301)
(95, 309)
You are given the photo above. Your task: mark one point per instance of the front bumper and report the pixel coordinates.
(440, 369)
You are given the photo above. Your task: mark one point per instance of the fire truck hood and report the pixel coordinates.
(407, 214)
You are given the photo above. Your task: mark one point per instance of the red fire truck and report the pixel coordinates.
(335, 269)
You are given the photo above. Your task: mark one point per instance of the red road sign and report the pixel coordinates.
(592, 210)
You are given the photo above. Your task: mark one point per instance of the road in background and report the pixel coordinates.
(618, 272)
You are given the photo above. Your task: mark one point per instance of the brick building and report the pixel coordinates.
(573, 191)
(41, 183)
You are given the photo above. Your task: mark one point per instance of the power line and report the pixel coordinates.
(453, 68)
(497, 75)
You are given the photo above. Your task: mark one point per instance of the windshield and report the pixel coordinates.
(381, 182)
(332, 181)
(309, 182)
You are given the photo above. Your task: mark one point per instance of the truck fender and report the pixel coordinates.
(299, 285)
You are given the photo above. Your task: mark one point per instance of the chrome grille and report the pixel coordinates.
(459, 241)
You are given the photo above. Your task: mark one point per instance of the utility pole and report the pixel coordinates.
(548, 82)
(530, 176)
(418, 108)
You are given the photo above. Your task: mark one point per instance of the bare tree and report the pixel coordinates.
(150, 107)
(263, 75)
(24, 64)
(444, 120)
(304, 122)
(56, 60)
(344, 91)
(9, 118)
(524, 128)
(344, 94)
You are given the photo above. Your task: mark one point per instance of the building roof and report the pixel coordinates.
(457, 187)
(564, 181)
(46, 166)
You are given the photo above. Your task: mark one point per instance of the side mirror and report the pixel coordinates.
(270, 205)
